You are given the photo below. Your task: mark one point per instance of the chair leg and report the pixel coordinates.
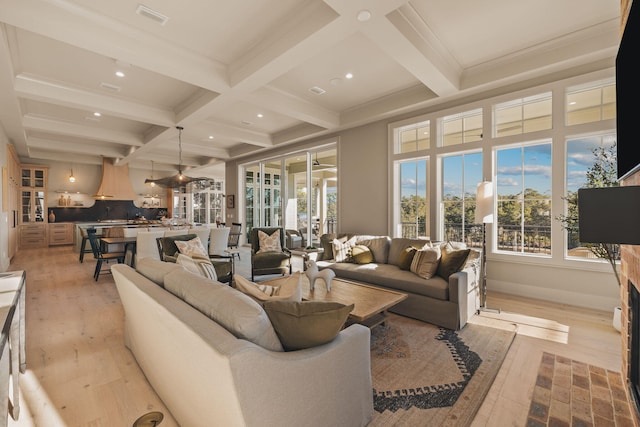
(82, 249)
(98, 267)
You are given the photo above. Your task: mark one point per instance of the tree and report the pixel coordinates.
(603, 173)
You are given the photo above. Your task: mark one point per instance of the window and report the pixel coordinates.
(414, 200)
(461, 128)
(522, 115)
(591, 103)
(460, 177)
(413, 138)
(524, 199)
(591, 162)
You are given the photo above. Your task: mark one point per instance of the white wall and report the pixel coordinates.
(4, 223)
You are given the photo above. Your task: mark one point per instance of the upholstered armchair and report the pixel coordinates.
(294, 239)
(277, 261)
(168, 251)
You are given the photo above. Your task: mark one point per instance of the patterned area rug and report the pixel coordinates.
(426, 375)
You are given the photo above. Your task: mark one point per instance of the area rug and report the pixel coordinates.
(426, 375)
(570, 392)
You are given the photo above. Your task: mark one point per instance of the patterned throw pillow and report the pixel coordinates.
(269, 243)
(192, 248)
(342, 250)
(200, 266)
(425, 262)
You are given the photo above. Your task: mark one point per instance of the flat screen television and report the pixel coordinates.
(628, 96)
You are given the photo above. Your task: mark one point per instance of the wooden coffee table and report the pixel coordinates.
(370, 303)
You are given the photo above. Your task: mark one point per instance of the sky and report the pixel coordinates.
(517, 169)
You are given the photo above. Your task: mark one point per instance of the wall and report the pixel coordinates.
(4, 224)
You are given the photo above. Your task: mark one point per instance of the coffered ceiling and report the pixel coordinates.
(214, 66)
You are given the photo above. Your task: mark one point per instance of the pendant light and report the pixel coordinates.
(71, 177)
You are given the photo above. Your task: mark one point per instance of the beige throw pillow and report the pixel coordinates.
(269, 243)
(192, 247)
(306, 324)
(200, 266)
(286, 288)
(425, 262)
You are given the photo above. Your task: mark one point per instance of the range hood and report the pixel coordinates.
(115, 183)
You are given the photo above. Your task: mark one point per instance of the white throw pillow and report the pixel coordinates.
(192, 247)
(269, 243)
(200, 266)
(286, 288)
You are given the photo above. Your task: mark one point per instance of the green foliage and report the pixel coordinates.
(603, 173)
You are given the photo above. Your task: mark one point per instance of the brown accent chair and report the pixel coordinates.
(269, 262)
(168, 251)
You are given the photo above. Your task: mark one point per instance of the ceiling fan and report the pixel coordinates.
(317, 163)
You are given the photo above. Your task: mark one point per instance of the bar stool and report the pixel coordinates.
(85, 239)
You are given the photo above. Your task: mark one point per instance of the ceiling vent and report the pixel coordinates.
(317, 90)
(143, 10)
(110, 87)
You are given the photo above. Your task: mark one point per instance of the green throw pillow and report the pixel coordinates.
(451, 261)
(406, 257)
(361, 254)
(306, 324)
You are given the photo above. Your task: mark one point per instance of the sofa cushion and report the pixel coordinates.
(379, 246)
(286, 288)
(425, 262)
(452, 260)
(306, 324)
(361, 254)
(399, 244)
(269, 243)
(155, 270)
(406, 257)
(192, 247)
(233, 310)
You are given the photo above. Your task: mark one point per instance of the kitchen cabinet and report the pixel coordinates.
(60, 233)
(33, 213)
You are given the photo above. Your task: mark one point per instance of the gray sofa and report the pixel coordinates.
(449, 303)
(230, 371)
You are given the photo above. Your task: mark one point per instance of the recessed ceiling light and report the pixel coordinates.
(97, 114)
(210, 136)
(260, 115)
(119, 74)
(573, 103)
(364, 15)
(348, 75)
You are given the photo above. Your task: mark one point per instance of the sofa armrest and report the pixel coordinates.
(282, 388)
(463, 286)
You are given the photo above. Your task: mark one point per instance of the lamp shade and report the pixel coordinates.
(484, 203)
(609, 215)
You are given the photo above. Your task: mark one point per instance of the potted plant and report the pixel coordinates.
(603, 173)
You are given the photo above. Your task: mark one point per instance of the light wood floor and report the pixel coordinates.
(80, 374)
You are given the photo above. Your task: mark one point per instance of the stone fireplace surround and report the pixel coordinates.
(630, 272)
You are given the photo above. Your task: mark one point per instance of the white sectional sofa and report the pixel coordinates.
(208, 376)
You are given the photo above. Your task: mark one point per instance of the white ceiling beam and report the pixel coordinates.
(31, 122)
(40, 154)
(74, 148)
(288, 105)
(10, 113)
(31, 87)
